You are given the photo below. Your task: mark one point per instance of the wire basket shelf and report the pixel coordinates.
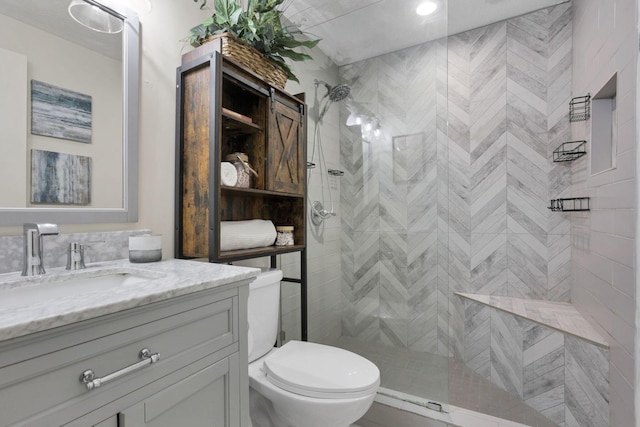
(575, 204)
(580, 108)
(570, 151)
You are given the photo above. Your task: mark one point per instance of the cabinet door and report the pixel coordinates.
(286, 151)
(209, 398)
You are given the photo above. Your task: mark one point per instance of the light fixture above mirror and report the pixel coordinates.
(93, 16)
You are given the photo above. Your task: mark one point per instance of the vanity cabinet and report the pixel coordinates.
(202, 398)
(222, 109)
(200, 378)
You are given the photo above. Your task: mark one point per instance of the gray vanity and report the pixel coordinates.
(121, 344)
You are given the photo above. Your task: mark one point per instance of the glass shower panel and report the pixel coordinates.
(394, 247)
(433, 202)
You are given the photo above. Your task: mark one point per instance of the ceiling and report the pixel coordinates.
(353, 30)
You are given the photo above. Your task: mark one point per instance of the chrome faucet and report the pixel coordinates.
(33, 255)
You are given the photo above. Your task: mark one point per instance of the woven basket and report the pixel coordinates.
(250, 58)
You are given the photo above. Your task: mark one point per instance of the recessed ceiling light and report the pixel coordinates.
(426, 8)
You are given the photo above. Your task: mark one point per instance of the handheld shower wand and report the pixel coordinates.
(334, 94)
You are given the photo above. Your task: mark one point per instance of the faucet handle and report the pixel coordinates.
(75, 256)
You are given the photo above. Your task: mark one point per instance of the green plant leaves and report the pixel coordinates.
(227, 13)
(259, 26)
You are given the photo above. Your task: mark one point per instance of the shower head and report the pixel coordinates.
(335, 93)
(339, 92)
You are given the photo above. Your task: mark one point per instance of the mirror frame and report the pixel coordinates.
(129, 211)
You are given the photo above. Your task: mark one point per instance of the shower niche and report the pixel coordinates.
(226, 113)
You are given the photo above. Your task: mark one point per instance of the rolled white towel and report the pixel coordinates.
(253, 233)
(228, 174)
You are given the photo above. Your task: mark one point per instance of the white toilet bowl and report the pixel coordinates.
(301, 384)
(304, 384)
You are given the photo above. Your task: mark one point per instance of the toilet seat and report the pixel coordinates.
(316, 370)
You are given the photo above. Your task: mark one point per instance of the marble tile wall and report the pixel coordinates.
(100, 246)
(543, 363)
(480, 113)
(509, 88)
(393, 287)
(563, 377)
(604, 254)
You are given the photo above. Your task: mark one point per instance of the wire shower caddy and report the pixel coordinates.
(570, 151)
(575, 204)
(580, 108)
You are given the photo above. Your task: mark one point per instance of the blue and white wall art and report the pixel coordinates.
(60, 113)
(59, 178)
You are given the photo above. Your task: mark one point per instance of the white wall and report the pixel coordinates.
(603, 252)
(323, 242)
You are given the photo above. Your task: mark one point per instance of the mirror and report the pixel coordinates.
(68, 115)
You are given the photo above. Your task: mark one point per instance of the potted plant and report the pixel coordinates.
(259, 26)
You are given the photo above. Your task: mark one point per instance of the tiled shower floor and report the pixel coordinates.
(443, 380)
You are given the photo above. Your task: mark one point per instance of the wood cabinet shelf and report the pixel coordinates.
(224, 109)
(258, 252)
(238, 126)
(258, 193)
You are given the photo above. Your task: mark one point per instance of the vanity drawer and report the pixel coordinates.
(49, 385)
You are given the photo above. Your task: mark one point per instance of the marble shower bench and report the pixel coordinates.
(545, 352)
(561, 316)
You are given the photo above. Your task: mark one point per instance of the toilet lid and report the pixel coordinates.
(317, 370)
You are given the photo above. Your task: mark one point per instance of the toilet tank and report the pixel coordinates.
(262, 312)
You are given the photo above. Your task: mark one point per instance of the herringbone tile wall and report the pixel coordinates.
(452, 195)
(391, 244)
(563, 377)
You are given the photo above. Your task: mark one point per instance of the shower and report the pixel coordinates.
(335, 93)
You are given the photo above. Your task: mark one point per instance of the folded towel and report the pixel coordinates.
(248, 234)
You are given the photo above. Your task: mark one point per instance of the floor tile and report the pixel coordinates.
(430, 377)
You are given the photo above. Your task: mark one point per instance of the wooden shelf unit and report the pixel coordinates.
(223, 108)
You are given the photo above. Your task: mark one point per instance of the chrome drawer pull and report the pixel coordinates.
(88, 377)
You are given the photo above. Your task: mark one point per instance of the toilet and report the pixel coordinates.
(301, 384)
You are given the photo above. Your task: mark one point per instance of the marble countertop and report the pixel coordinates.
(561, 316)
(61, 297)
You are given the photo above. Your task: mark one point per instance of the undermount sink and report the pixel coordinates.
(69, 284)
(106, 280)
